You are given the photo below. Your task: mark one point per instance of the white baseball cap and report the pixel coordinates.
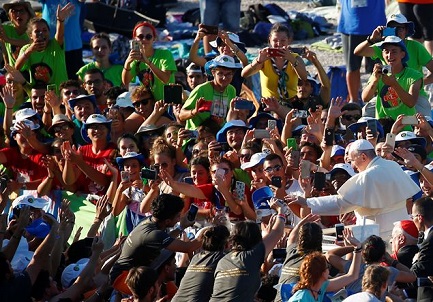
(257, 158)
(72, 271)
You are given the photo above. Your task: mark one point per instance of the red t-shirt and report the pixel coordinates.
(96, 161)
(24, 169)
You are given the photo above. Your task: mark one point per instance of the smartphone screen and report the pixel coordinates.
(339, 232)
(261, 133)
(242, 104)
(276, 181)
(372, 125)
(388, 31)
(319, 181)
(192, 212)
(173, 94)
(296, 155)
(305, 169)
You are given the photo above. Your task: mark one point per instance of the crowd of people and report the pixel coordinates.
(151, 182)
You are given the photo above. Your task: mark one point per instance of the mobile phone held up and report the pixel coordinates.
(192, 212)
(209, 29)
(339, 232)
(243, 104)
(173, 94)
(275, 52)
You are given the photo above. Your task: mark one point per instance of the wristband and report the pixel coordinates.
(126, 68)
(369, 41)
(357, 250)
(61, 21)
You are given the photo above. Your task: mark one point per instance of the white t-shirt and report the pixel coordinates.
(362, 297)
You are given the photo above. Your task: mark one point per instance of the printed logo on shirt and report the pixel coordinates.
(41, 73)
(389, 97)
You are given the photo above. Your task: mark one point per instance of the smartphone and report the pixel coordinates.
(135, 45)
(276, 181)
(305, 169)
(243, 104)
(291, 143)
(390, 140)
(193, 134)
(272, 124)
(300, 113)
(339, 232)
(210, 29)
(274, 52)
(188, 180)
(223, 147)
(372, 125)
(240, 189)
(39, 35)
(148, 174)
(398, 157)
(261, 133)
(388, 31)
(329, 137)
(124, 176)
(220, 173)
(279, 253)
(52, 87)
(319, 181)
(299, 50)
(173, 94)
(296, 155)
(409, 120)
(192, 212)
(113, 114)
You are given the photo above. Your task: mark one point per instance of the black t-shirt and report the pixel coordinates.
(142, 246)
(197, 284)
(17, 289)
(237, 276)
(290, 269)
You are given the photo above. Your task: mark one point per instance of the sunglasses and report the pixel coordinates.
(147, 37)
(61, 127)
(69, 92)
(351, 117)
(143, 102)
(274, 168)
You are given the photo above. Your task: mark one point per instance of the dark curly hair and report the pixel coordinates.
(202, 161)
(245, 235)
(215, 238)
(166, 206)
(373, 249)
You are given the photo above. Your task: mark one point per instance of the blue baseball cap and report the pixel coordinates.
(39, 228)
(261, 197)
(394, 40)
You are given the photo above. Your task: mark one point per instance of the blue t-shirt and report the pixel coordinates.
(72, 23)
(305, 295)
(363, 19)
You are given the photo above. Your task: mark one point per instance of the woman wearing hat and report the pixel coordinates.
(226, 43)
(279, 67)
(44, 58)
(84, 167)
(14, 35)
(130, 192)
(154, 67)
(211, 99)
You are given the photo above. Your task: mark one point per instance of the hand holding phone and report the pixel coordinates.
(261, 133)
(192, 212)
(409, 120)
(240, 189)
(276, 181)
(124, 176)
(305, 169)
(339, 233)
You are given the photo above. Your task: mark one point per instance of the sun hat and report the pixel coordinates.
(362, 122)
(161, 259)
(28, 123)
(91, 98)
(25, 113)
(342, 167)
(254, 120)
(95, 119)
(129, 155)
(410, 136)
(149, 128)
(221, 61)
(418, 149)
(394, 40)
(60, 119)
(256, 158)
(401, 19)
(233, 37)
(72, 271)
(221, 135)
(26, 4)
(29, 200)
(261, 198)
(22, 256)
(124, 100)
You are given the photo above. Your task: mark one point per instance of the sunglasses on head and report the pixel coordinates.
(351, 117)
(143, 102)
(147, 37)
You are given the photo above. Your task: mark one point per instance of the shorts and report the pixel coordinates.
(353, 62)
(228, 12)
(421, 15)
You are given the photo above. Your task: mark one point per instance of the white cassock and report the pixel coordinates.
(376, 195)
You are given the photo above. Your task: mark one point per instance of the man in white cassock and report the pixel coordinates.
(377, 194)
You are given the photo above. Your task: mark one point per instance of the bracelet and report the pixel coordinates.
(61, 21)
(235, 49)
(395, 263)
(357, 250)
(422, 169)
(10, 108)
(126, 68)
(369, 41)
(192, 114)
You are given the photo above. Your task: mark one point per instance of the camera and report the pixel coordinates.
(386, 69)
(150, 174)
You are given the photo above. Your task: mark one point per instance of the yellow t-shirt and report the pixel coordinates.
(269, 80)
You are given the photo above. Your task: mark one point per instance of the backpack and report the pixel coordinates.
(276, 10)
(260, 12)
(192, 16)
(337, 77)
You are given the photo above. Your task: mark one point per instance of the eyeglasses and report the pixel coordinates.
(147, 37)
(69, 92)
(274, 168)
(61, 127)
(412, 216)
(143, 102)
(351, 117)
(94, 82)
(245, 156)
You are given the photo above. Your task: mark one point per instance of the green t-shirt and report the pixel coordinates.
(418, 54)
(163, 59)
(388, 104)
(12, 50)
(207, 91)
(112, 74)
(47, 66)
